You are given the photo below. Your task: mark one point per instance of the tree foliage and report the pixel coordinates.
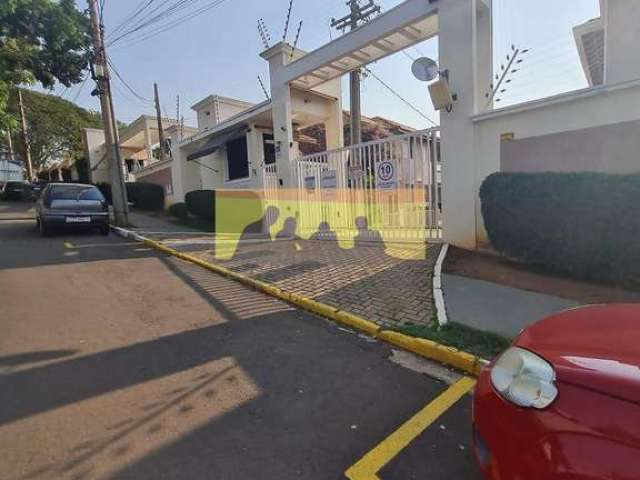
(45, 41)
(54, 126)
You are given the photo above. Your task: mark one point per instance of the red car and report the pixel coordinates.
(563, 403)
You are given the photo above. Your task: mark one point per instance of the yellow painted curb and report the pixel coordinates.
(427, 348)
(420, 346)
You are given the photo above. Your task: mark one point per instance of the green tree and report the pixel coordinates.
(45, 41)
(54, 126)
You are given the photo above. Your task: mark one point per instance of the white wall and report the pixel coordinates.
(471, 140)
(622, 37)
(602, 105)
(465, 51)
(95, 151)
(215, 109)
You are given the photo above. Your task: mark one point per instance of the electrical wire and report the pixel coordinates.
(84, 81)
(163, 27)
(160, 15)
(179, 21)
(142, 6)
(407, 102)
(129, 87)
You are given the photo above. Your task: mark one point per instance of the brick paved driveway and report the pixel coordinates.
(391, 286)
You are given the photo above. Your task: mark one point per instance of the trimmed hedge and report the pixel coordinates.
(583, 224)
(145, 196)
(179, 210)
(201, 203)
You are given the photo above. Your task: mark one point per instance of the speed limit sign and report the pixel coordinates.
(386, 175)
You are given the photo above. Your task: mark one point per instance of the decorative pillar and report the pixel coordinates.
(465, 39)
(278, 57)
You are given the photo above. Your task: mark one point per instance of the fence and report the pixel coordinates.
(388, 187)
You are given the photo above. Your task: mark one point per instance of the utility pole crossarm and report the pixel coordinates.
(359, 13)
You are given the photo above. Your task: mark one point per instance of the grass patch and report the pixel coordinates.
(483, 344)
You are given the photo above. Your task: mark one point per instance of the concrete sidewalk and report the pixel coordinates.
(156, 223)
(497, 308)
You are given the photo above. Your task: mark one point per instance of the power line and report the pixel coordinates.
(131, 16)
(124, 82)
(167, 25)
(161, 15)
(84, 81)
(407, 102)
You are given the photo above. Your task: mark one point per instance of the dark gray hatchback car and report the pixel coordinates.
(74, 205)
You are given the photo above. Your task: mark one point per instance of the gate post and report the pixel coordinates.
(278, 56)
(465, 51)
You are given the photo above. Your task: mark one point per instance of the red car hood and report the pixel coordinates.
(596, 347)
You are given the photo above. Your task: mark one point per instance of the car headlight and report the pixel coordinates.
(524, 378)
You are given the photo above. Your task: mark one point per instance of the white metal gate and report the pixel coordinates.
(388, 188)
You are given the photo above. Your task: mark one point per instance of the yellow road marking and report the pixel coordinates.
(369, 465)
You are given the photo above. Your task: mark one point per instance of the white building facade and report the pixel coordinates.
(477, 139)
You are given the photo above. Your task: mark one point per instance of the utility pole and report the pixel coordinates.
(101, 70)
(156, 98)
(25, 138)
(9, 145)
(357, 14)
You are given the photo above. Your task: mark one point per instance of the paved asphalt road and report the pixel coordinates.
(117, 362)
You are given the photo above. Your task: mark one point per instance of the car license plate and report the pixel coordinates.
(77, 219)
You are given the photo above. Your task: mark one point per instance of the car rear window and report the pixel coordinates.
(74, 192)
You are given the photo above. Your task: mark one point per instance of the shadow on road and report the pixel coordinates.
(33, 357)
(324, 394)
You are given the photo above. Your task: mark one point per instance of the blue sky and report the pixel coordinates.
(217, 52)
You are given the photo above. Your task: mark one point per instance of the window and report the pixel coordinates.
(269, 148)
(74, 192)
(129, 163)
(237, 159)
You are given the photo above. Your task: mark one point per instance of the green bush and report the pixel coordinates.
(179, 210)
(145, 196)
(582, 224)
(201, 203)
